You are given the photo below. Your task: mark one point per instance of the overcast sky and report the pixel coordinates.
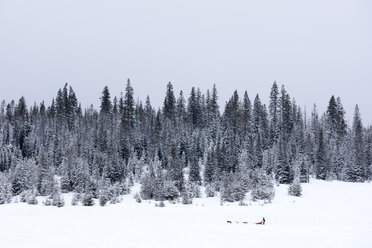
(315, 48)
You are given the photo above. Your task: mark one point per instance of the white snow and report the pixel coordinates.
(329, 214)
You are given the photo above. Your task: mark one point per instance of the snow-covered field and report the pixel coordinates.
(329, 214)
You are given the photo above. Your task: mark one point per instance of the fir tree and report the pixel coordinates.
(321, 158)
(295, 188)
(274, 111)
(5, 189)
(358, 168)
(169, 107)
(106, 105)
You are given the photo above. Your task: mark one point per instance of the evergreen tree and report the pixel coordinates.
(321, 158)
(193, 109)
(181, 108)
(5, 189)
(341, 123)
(247, 117)
(358, 168)
(24, 176)
(332, 115)
(194, 171)
(169, 107)
(128, 108)
(295, 188)
(57, 198)
(71, 109)
(286, 122)
(106, 105)
(257, 113)
(262, 186)
(283, 170)
(209, 171)
(274, 111)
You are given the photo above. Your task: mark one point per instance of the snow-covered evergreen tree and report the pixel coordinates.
(358, 167)
(262, 186)
(5, 189)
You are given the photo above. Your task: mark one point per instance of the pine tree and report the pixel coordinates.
(181, 108)
(71, 109)
(57, 198)
(45, 177)
(262, 186)
(321, 158)
(128, 108)
(341, 123)
(258, 152)
(194, 171)
(127, 122)
(209, 171)
(286, 122)
(332, 116)
(5, 189)
(257, 113)
(24, 176)
(358, 168)
(295, 188)
(247, 117)
(169, 107)
(274, 111)
(283, 169)
(106, 105)
(193, 109)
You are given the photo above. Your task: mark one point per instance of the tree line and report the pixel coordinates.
(174, 150)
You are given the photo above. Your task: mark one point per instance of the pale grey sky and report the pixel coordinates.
(316, 48)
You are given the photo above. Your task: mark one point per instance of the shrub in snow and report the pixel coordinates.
(47, 201)
(186, 198)
(75, 199)
(210, 191)
(58, 200)
(56, 197)
(119, 188)
(5, 189)
(137, 197)
(112, 193)
(87, 199)
(165, 190)
(104, 193)
(122, 188)
(23, 196)
(104, 198)
(115, 199)
(295, 188)
(31, 199)
(195, 190)
(170, 191)
(161, 204)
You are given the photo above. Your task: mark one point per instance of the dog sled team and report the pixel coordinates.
(262, 222)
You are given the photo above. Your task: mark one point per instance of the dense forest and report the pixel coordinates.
(174, 152)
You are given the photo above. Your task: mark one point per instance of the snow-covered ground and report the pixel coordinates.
(329, 214)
